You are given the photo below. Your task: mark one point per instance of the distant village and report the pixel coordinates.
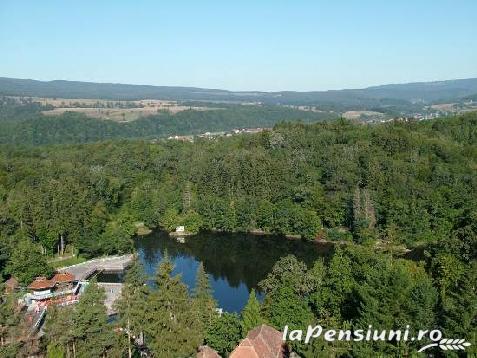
(361, 116)
(212, 135)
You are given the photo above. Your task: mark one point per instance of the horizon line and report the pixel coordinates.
(244, 91)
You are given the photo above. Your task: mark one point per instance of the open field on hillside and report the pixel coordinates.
(363, 115)
(121, 111)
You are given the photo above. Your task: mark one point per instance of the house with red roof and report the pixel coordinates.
(261, 342)
(41, 286)
(61, 289)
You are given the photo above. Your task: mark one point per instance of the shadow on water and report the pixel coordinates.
(112, 277)
(236, 263)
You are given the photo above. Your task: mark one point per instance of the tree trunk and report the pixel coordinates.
(62, 244)
(129, 340)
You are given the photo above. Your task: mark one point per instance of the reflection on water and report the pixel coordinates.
(235, 262)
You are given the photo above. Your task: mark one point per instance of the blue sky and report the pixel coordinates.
(240, 45)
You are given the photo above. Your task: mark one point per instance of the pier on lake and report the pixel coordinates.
(86, 269)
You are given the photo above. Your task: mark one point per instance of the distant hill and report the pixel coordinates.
(25, 124)
(471, 97)
(377, 96)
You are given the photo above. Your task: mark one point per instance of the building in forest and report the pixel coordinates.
(261, 342)
(61, 289)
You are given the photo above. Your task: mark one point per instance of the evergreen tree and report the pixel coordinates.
(130, 306)
(286, 288)
(396, 294)
(224, 333)
(172, 327)
(92, 333)
(203, 298)
(9, 318)
(331, 299)
(283, 306)
(59, 329)
(459, 309)
(251, 316)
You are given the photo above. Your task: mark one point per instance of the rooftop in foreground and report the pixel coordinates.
(261, 342)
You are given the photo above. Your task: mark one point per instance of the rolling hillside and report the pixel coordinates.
(372, 96)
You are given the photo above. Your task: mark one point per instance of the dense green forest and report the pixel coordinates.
(337, 180)
(25, 124)
(377, 188)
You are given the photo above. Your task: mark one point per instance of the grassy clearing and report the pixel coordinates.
(67, 262)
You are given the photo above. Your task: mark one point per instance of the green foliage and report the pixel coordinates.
(171, 219)
(287, 272)
(192, 221)
(224, 333)
(358, 287)
(10, 350)
(251, 315)
(332, 286)
(458, 308)
(338, 235)
(144, 204)
(285, 288)
(70, 127)
(387, 185)
(116, 239)
(172, 326)
(5, 253)
(284, 307)
(130, 306)
(59, 329)
(92, 334)
(204, 301)
(66, 262)
(10, 318)
(397, 294)
(371, 182)
(447, 271)
(82, 330)
(54, 351)
(27, 262)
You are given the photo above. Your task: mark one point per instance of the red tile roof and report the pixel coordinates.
(41, 283)
(63, 277)
(261, 342)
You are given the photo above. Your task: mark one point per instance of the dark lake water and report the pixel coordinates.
(236, 263)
